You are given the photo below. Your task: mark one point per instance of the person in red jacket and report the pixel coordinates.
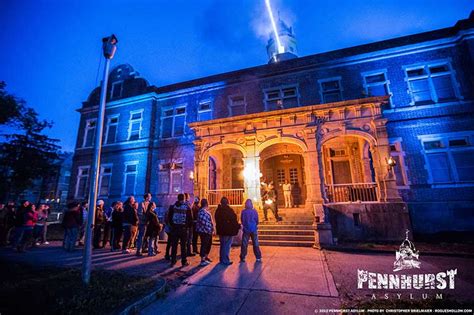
(29, 220)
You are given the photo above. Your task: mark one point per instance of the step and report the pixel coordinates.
(266, 227)
(286, 232)
(286, 243)
(291, 238)
(286, 223)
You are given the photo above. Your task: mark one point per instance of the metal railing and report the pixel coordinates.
(235, 196)
(354, 192)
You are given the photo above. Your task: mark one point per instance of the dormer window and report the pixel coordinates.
(116, 91)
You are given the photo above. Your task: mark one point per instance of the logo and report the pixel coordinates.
(407, 256)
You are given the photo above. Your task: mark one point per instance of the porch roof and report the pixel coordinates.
(379, 100)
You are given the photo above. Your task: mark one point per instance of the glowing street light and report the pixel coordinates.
(108, 49)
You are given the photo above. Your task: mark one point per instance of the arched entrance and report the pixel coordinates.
(348, 170)
(225, 176)
(284, 163)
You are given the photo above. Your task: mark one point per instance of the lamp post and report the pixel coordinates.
(108, 48)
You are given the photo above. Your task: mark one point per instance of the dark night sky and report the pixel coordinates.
(50, 50)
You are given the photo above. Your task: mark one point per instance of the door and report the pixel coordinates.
(341, 172)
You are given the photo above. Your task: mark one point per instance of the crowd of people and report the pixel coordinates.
(134, 227)
(24, 225)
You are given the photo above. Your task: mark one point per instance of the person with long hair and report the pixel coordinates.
(249, 219)
(227, 227)
(130, 222)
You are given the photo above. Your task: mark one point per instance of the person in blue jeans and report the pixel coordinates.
(227, 227)
(249, 219)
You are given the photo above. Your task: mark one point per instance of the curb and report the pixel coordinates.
(383, 251)
(140, 304)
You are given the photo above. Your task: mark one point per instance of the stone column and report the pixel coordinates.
(252, 173)
(322, 226)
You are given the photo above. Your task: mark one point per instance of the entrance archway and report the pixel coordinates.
(281, 163)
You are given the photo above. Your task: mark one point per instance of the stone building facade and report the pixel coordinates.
(374, 139)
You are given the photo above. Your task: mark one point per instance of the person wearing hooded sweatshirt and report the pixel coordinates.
(98, 224)
(227, 227)
(180, 220)
(249, 219)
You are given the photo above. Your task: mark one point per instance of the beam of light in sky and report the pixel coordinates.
(281, 49)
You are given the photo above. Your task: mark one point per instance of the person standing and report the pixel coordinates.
(142, 223)
(38, 230)
(29, 221)
(8, 220)
(82, 228)
(130, 222)
(47, 211)
(107, 225)
(152, 229)
(98, 224)
(195, 211)
(205, 228)
(71, 224)
(19, 219)
(117, 225)
(189, 240)
(287, 194)
(271, 202)
(249, 219)
(180, 220)
(227, 227)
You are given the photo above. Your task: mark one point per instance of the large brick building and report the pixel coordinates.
(329, 123)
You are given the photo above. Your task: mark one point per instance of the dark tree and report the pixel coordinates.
(26, 153)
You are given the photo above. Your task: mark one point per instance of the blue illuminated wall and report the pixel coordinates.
(433, 207)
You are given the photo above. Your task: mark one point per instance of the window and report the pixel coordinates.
(135, 125)
(237, 105)
(173, 121)
(82, 183)
(130, 178)
(280, 176)
(205, 111)
(428, 84)
(105, 180)
(163, 182)
(116, 91)
(89, 133)
(376, 83)
(449, 158)
(331, 90)
(399, 170)
(282, 97)
(111, 132)
(176, 181)
(293, 176)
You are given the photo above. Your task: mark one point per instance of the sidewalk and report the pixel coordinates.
(288, 281)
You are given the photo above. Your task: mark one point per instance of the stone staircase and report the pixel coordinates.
(296, 229)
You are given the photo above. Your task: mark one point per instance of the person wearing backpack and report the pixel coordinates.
(227, 227)
(180, 220)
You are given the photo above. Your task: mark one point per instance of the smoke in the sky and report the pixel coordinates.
(261, 24)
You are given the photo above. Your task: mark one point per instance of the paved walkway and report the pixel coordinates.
(288, 281)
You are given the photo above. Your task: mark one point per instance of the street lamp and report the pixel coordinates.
(108, 49)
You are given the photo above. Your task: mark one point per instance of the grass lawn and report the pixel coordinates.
(45, 290)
